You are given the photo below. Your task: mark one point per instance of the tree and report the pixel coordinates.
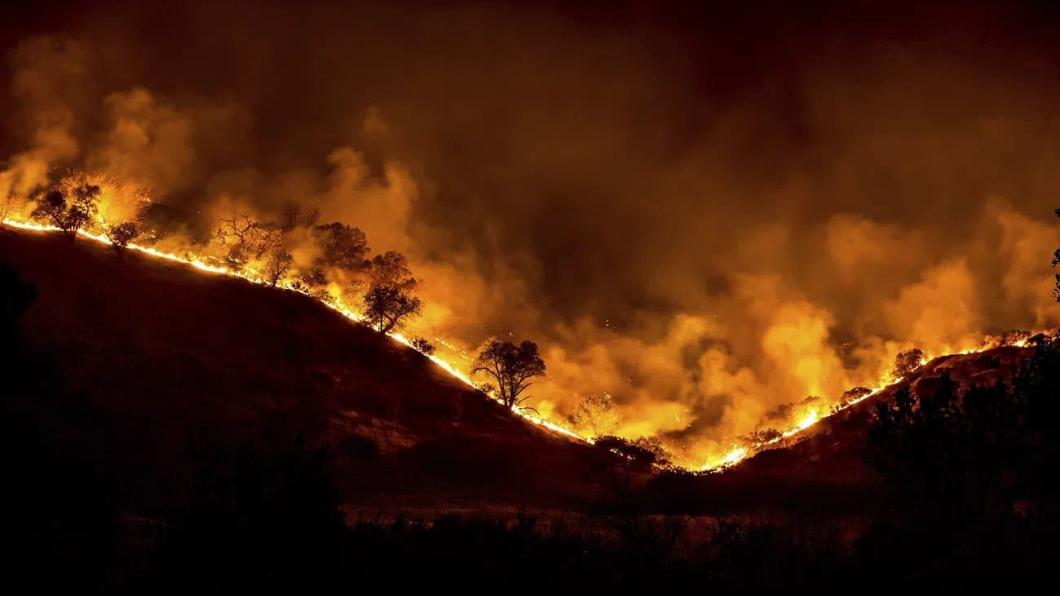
(511, 367)
(764, 436)
(423, 346)
(389, 300)
(1056, 261)
(596, 415)
(121, 235)
(343, 247)
(247, 239)
(312, 281)
(386, 307)
(277, 264)
(70, 215)
(391, 269)
(906, 362)
(293, 215)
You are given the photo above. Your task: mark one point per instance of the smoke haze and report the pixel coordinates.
(707, 213)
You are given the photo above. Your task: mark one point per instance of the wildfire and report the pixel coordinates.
(204, 264)
(738, 453)
(735, 454)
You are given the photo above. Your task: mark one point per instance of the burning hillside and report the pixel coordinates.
(719, 249)
(103, 211)
(273, 268)
(168, 359)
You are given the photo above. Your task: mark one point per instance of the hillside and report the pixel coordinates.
(821, 468)
(163, 375)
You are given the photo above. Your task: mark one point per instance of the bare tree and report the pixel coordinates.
(596, 415)
(121, 235)
(277, 264)
(235, 228)
(511, 367)
(70, 215)
(247, 239)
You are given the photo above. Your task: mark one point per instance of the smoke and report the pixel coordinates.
(707, 214)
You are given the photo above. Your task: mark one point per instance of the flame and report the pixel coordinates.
(207, 265)
(808, 419)
(732, 456)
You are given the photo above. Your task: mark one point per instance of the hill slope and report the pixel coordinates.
(821, 468)
(164, 374)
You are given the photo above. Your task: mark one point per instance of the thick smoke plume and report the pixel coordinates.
(709, 215)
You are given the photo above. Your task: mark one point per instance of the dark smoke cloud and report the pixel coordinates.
(704, 211)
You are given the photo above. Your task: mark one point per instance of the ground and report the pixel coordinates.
(171, 371)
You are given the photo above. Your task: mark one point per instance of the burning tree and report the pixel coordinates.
(277, 264)
(121, 235)
(906, 362)
(69, 215)
(511, 367)
(596, 415)
(389, 300)
(247, 239)
(312, 281)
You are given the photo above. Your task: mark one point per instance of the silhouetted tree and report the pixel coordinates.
(247, 239)
(277, 264)
(596, 415)
(386, 307)
(391, 269)
(312, 281)
(1056, 261)
(511, 367)
(850, 396)
(343, 247)
(763, 436)
(69, 214)
(389, 300)
(121, 235)
(975, 454)
(906, 362)
(423, 346)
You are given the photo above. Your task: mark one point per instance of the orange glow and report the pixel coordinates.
(800, 419)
